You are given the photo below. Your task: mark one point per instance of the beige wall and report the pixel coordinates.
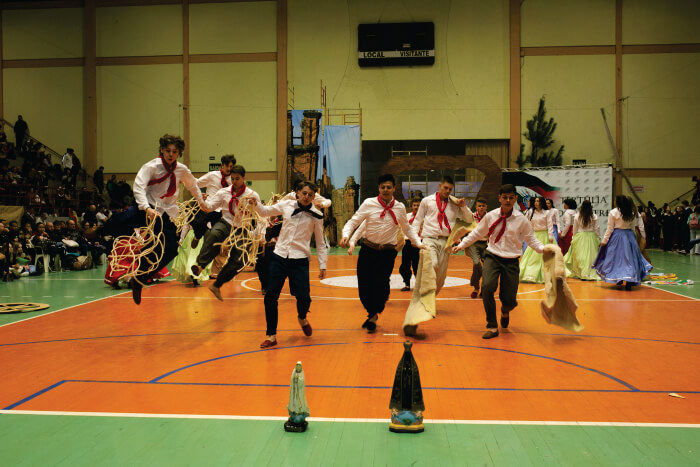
(51, 102)
(655, 22)
(54, 33)
(567, 22)
(139, 30)
(233, 110)
(575, 89)
(137, 104)
(464, 95)
(233, 28)
(661, 110)
(660, 190)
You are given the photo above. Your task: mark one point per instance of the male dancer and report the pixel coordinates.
(155, 190)
(290, 259)
(506, 229)
(318, 201)
(477, 251)
(409, 253)
(438, 214)
(375, 262)
(213, 181)
(227, 200)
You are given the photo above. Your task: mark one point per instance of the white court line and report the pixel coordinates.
(347, 420)
(445, 299)
(674, 293)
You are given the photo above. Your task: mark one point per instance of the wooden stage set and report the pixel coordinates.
(182, 352)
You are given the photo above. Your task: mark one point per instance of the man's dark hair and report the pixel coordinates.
(415, 200)
(480, 200)
(571, 203)
(507, 188)
(301, 184)
(228, 158)
(386, 178)
(447, 179)
(238, 169)
(167, 140)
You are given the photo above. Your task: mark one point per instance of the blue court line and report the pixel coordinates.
(322, 386)
(593, 370)
(124, 336)
(155, 380)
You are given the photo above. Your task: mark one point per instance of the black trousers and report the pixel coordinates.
(262, 266)
(410, 256)
(297, 270)
(373, 276)
(200, 221)
(169, 250)
(508, 269)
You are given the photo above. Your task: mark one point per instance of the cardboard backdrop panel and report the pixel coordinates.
(594, 184)
(11, 213)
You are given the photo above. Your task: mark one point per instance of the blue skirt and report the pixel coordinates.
(621, 260)
(555, 228)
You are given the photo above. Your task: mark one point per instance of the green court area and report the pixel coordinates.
(94, 440)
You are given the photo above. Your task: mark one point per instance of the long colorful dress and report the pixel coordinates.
(181, 267)
(584, 249)
(620, 259)
(531, 262)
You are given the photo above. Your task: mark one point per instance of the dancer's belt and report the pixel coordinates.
(376, 246)
(441, 237)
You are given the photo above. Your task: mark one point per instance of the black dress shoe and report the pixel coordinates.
(490, 334)
(371, 326)
(628, 286)
(505, 320)
(136, 290)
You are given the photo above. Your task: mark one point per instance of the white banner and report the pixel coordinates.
(594, 184)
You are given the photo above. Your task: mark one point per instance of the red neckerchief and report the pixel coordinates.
(413, 217)
(477, 217)
(387, 208)
(224, 184)
(493, 226)
(169, 172)
(234, 198)
(441, 212)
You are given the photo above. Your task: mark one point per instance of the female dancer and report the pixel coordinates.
(619, 259)
(556, 224)
(585, 244)
(567, 232)
(531, 263)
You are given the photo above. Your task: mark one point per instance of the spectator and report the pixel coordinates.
(90, 215)
(21, 131)
(67, 161)
(99, 179)
(29, 216)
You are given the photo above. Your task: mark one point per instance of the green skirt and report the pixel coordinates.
(531, 262)
(581, 255)
(181, 267)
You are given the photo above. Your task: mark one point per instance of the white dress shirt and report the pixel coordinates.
(325, 202)
(592, 226)
(518, 228)
(381, 230)
(554, 212)
(568, 221)
(428, 215)
(615, 221)
(541, 220)
(221, 199)
(147, 196)
(67, 161)
(212, 181)
(295, 236)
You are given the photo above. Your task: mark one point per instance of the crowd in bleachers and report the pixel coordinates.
(61, 227)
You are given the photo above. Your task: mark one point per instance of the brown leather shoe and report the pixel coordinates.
(490, 334)
(267, 343)
(406, 289)
(196, 270)
(410, 330)
(216, 291)
(195, 242)
(306, 327)
(475, 294)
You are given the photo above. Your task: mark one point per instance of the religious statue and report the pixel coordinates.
(298, 408)
(407, 396)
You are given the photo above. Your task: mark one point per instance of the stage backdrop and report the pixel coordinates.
(579, 183)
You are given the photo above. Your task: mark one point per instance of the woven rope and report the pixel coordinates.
(133, 249)
(187, 210)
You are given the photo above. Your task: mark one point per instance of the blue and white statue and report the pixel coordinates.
(298, 408)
